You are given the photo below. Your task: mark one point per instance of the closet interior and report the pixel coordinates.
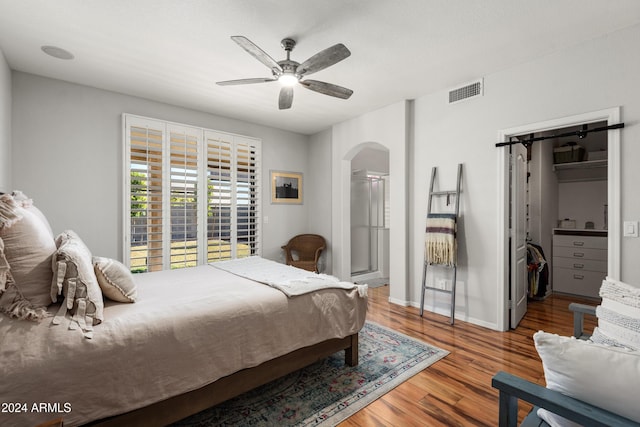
(567, 211)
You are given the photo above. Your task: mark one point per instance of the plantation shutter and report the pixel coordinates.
(146, 198)
(184, 147)
(233, 201)
(247, 189)
(192, 195)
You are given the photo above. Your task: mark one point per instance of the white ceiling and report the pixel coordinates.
(174, 51)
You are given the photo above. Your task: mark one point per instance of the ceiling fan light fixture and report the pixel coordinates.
(287, 79)
(289, 72)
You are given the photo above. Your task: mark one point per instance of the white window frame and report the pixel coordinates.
(236, 142)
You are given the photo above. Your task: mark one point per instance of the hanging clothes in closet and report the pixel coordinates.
(538, 271)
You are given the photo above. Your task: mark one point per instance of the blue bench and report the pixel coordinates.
(513, 388)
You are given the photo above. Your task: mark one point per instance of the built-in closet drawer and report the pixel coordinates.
(580, 253)
(579, 262)
(593, 242)
(583, 283)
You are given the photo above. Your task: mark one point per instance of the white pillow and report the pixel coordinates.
(620, 291)
(607, 377)
(115, 280)
(618, 315)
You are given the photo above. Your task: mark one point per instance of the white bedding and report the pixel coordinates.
(188, 328)
(290, 280)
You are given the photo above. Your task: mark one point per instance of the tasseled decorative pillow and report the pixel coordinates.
(74, 278)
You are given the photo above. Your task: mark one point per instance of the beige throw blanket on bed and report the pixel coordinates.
(290, 280)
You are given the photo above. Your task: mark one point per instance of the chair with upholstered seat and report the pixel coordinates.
(304, 250)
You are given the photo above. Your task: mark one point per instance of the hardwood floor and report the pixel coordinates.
(456, 391)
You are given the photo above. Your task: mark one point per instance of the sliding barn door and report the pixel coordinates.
(518, 233)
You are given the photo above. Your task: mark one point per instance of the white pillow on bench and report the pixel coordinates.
(604, 376)
(618, 315)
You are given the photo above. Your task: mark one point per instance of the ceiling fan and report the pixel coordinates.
(289, 72)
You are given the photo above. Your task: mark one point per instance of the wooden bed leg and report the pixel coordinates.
(351, 352)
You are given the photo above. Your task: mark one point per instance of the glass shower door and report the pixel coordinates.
(367, 219)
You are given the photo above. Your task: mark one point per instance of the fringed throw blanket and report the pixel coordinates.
(440, 239)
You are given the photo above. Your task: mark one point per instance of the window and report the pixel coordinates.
(192, 195)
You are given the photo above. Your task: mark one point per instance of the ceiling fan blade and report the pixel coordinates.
(286, 98)
(256, 52)
(327, 88)
(324, 59)
(245, 81)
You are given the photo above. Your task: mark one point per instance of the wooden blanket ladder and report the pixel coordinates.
(443, 289)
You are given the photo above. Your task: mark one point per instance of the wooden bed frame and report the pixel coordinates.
(181, 406)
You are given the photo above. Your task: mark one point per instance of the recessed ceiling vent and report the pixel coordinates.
(470, 90)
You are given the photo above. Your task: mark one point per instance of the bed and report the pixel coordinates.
(194, 338)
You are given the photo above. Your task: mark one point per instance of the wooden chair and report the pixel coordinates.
(303, 251)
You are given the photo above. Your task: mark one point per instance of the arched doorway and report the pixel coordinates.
(386, 129)
(369, 214)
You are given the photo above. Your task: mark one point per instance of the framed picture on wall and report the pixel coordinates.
(286, 187)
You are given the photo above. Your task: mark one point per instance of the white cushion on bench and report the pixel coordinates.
(604, 376)
(618, 315)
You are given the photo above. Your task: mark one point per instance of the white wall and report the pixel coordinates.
(318, 199)
(543, 195)
(67, 141)
(386, 128)
(371, 160)
(549, 200)
(595, 75)
(5, 125)
(583, 201)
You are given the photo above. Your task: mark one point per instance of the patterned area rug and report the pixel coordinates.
(328, 391)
